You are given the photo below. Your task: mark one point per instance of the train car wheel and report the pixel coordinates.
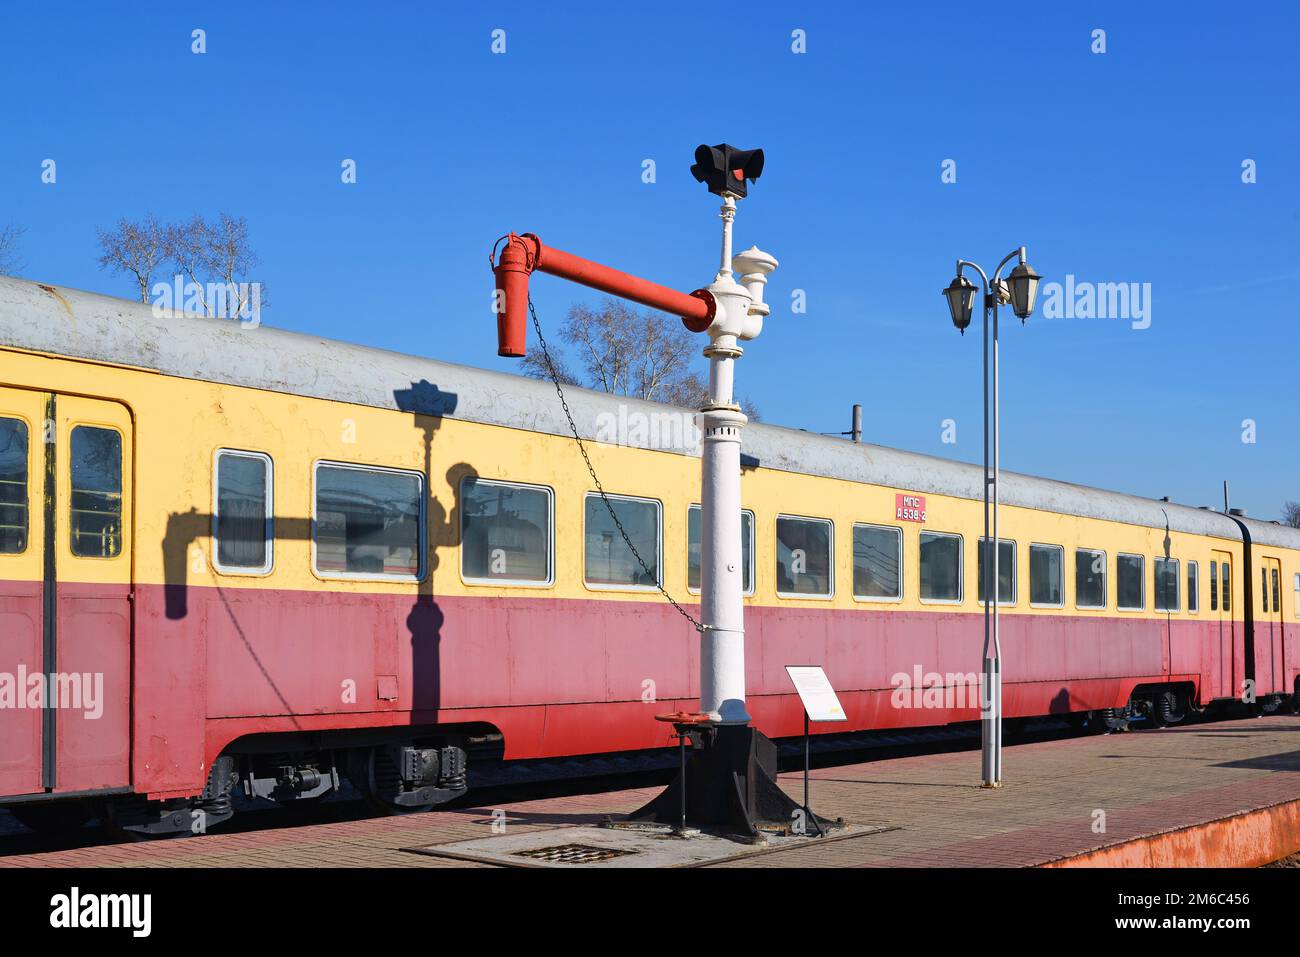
(1170, 708)
(382, 786)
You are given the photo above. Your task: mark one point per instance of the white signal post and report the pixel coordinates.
(739, 318)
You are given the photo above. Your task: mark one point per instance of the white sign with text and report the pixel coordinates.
(815, 691)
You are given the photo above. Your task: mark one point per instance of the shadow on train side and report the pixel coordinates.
(401, 769)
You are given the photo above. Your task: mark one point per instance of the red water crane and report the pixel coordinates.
(522, 254)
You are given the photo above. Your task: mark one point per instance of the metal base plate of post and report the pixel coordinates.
(639, 846)
(730, 789)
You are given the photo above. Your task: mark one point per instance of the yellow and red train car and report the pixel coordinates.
(247, 557)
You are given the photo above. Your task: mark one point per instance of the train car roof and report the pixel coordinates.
(50, 319)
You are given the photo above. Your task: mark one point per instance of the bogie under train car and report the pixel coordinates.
(247, 558)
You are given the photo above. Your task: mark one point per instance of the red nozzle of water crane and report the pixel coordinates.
(522, 254)
(518, 259)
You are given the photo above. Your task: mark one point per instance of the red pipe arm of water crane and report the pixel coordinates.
(695, 308)
(522, 254)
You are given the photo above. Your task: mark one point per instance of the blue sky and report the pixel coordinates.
(1115, 167)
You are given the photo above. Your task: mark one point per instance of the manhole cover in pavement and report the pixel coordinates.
(574, 854)
(625, 846)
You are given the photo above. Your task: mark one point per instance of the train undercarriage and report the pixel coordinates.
(412, 774)
(394, 776)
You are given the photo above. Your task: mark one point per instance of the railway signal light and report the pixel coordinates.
(726, 169)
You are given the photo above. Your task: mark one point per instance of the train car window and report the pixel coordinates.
(941, 564)
(13, 486)
(1263, 588)
(1089, 578)
(877, 562)
(803, 557)
(1047, 575)
(1130, 582)
(1227, 587)
(1006, 572)
(607, 561)
(95, 520)
(505, 532)
(1277, 591)
(368, 522)
(1296, 606)
(1166, 582)
(693, 549)
(1193, 587)
(243, 511)
(1214, 586)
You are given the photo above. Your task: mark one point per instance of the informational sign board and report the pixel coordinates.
(909, 508)
(815, 691)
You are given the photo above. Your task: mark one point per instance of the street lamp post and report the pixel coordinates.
(1020, 289)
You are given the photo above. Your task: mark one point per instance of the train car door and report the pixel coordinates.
(92, 544)
(21, 565)
(1269, 649)
(1221, 614)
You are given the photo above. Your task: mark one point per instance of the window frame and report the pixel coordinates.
(1037, 604)
(1105, 579)
(1015, 572)
(269, 565)
(66, 507)
(28, 474)
(1142, 577)
(1193, 587)
(1178, 585)
(961, 568)
(901, 566)
(422, 564)
(550, 536)
(830, 566)
(659, 550)
(753, 549)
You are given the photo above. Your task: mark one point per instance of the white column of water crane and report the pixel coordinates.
(739, 317)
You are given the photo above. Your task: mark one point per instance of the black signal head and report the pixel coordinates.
(725, 169)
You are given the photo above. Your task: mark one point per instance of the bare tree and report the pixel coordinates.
(9, 261)
(216, 253)
(692, 391)
(534, 365)
(1291, 514)
(624, 351)
(136, 248)
(215, 257)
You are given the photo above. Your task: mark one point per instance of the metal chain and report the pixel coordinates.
(600, 489)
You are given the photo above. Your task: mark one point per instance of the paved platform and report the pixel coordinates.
(1226, 793)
